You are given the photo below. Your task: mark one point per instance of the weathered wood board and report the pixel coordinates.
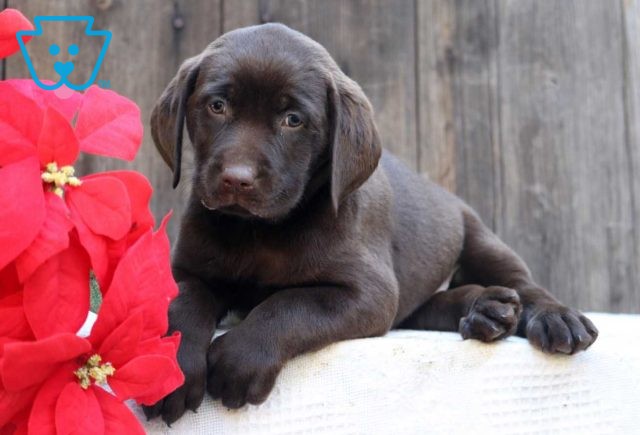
(528, 109)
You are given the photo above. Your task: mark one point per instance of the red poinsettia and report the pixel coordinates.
(41, 145)
(55, 228)
(76, 385)
(12, 21)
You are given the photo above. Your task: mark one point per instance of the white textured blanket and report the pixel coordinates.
(411, 382)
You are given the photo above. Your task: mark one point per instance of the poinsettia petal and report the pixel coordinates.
(42, 420)
(109, 124)
(14, 152)
(14, 325)
(52, 238)
(10, 282)
(12, 21)
(115, 251)
(14, 402)
(167, 346)
(57, 142)
(14, 321)
(20, 120)
(140, 191)
(103, 204)
(118, 419)
(96, 246)
(78, 411)
(120, 346)
(148, 376)
(142, 280)
(3, 342)
(56, 296)
(142, 220)
(28, 363)
(104, 252)
(67, 106)
(22, 192)
(156, 321)
(18, 423)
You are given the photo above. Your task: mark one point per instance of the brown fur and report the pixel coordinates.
(333, 239)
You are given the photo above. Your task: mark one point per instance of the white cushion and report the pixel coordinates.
(434, 382)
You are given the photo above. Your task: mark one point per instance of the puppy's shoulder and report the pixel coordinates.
(366, 214)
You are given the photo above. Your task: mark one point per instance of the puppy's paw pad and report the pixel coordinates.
(559, 329)
(239, 373)
(493, 315)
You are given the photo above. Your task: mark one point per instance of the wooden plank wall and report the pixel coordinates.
(528, 109)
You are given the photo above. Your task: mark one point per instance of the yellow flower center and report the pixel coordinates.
(93, 371)
(59, 177)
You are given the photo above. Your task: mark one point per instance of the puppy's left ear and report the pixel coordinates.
(168, 115)
(356, 147)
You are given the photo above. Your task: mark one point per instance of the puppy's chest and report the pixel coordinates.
(271, 263)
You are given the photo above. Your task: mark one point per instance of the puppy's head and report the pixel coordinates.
(271, 118)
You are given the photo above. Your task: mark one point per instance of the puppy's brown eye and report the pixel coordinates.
(292, 120)
(217, 107)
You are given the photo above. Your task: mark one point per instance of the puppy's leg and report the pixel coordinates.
(195, 313)
(482, 313)
(545, 322)
(243, 364)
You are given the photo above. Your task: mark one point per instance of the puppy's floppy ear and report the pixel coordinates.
(354, 138)
(168, 115)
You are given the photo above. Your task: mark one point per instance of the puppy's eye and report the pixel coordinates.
(292, 120)
(218, 107)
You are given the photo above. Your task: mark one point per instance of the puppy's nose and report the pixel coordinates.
(239, 178)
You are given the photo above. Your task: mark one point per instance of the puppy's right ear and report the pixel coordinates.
(168, 115)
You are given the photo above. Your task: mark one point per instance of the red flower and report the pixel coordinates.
(40, 144)
(11, 21)
(63, 376)
(105, 252)
(55, 228)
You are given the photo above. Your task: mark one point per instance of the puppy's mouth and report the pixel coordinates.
(270, 209)
(230, 208)
(236, 210)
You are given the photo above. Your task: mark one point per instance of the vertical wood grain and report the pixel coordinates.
(631, 95)
(457, 79)
(241, 13)
(372, 41)
(528, 109)
(435, 39)
(566, 205)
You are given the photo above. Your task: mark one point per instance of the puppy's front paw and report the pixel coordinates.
(558, 329)
(189, 396)
(240, 371)
(493, 315)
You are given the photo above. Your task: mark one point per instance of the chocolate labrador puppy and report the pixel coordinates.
(298, 217)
